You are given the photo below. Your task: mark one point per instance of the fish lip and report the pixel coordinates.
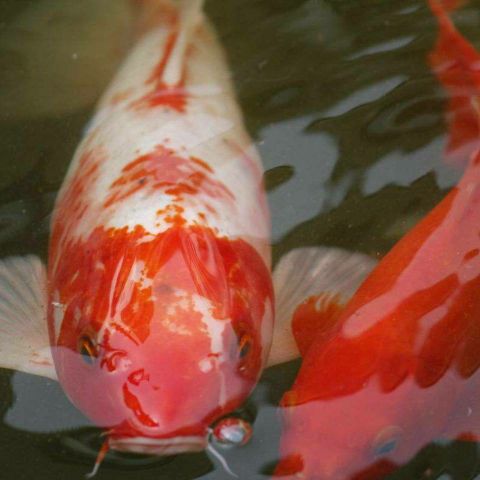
(158, 446)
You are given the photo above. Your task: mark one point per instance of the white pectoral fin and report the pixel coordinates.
(24, 341)
(308, 271)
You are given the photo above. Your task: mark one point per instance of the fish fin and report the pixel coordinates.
(455, 62)
(24, 340)
(315, 316)
(308, 271)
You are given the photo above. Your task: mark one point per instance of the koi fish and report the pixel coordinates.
(397, 367)
(156, 310)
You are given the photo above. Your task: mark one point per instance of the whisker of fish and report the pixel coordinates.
(101, 456)
(222, 461)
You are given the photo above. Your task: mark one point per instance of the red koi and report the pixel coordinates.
(397, 368)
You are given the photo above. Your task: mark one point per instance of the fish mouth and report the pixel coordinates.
(158, 446)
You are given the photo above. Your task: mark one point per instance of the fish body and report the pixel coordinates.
(398, 368)
(160, 300)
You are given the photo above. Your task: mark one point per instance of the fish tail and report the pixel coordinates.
(456, 64)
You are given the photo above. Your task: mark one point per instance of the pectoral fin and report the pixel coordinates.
(328, 273)
(24, 342)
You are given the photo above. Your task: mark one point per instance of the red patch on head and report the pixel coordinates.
(135, 295)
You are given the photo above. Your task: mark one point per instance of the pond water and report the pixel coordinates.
(349, 122)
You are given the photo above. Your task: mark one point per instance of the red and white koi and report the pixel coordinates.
(159, 295)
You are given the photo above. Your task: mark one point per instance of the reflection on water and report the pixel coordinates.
(348, 120)
(286, 206)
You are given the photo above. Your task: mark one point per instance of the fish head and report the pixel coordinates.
(170, 338)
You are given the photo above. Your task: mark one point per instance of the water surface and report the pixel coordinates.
(349, 123)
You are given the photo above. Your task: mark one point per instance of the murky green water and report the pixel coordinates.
(348, 120)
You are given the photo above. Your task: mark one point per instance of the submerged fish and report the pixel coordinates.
(159, 297)
(397, 367)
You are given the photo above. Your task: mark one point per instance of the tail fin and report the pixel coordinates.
(457, 66)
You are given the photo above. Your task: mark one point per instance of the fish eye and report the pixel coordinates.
(88, 349)
(387, 440)
(244, 345)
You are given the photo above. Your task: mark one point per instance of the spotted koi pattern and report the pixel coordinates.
(129, 290)
(159, 281)
(175, 176)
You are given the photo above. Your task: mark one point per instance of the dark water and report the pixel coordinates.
(349, 123)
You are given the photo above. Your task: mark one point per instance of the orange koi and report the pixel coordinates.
(398, 367)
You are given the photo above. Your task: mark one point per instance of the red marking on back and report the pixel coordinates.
(165, 170)
(172, 96)
(172, 213)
